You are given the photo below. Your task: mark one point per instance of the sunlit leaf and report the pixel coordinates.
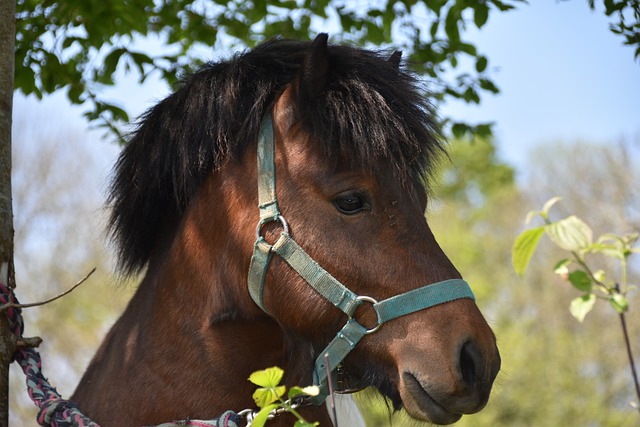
(261, 417)
(599, 276)
(268, 395)
(306, 391)
(570, 234)
(524, 247)
(581, 306)
(530, 216)
(619, 303)
(548, 205)
(269, 377)
(562, 267)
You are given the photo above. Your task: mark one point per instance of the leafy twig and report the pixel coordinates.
(269, 397)
(575, 236)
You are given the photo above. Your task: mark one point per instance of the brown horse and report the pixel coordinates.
(354, 142)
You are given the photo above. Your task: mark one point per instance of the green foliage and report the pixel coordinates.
(573, 235)
(628, 20)
(270, 390)
(467, 214)
(79, 45)
(269, 397)
(58, 223)
(581, 306)
(524, 247)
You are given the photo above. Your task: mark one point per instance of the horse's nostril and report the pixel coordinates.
(470, 362)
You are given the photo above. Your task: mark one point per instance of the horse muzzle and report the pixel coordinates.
(444, 397)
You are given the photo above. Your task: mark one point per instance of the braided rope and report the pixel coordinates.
(54, 411)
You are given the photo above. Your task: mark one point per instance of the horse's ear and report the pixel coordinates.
(395, 58)
(312, 77)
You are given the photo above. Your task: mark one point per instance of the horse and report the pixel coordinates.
(274, 204)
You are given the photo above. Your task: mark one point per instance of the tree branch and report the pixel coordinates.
(36, 304)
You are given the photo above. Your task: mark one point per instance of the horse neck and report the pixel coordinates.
(191, 331)
(197, 290)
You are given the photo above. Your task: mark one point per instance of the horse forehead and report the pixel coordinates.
(311, 167)
(309, 163)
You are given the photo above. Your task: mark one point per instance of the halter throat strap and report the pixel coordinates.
(321, 280)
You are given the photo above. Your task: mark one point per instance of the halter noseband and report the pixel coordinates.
(323, 282)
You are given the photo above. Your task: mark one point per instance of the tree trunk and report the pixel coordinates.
(7, 55)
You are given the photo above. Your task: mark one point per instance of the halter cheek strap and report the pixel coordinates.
(321, 280)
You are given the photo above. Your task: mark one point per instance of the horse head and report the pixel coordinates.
(277, 202)
(359, 211)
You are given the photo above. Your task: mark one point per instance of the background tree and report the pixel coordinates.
(77, 45)
(57, 182)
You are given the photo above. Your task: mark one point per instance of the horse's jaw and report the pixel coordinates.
(420, 404)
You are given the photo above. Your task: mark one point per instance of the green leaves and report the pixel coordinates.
(270, 390)
(263, 415)
(524, 247)
(620, 247)
(79, 44)
(481, 14)
(576, 237)
(580, 280)
(619, 303)
(269, 396)
(311, 390)
(581, 306)
(627, 13)
(570, 234)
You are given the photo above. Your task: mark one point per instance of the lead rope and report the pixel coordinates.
(54, 411)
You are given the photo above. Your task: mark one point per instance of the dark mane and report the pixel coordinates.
(369, 110)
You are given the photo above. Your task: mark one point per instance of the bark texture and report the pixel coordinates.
(7, 49)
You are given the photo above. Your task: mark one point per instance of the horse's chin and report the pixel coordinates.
(421, 405)
(409, 394)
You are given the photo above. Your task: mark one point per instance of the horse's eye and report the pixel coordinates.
(350, 203)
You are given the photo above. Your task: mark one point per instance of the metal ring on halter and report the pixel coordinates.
(373, 301)
(279, 218)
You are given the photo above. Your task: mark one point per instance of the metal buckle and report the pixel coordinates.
(279, 218)
(373, 301)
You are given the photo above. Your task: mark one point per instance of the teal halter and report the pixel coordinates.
(323, 282)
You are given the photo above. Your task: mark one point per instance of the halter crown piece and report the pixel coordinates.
(321, 281)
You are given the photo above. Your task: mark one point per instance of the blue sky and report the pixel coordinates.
(563, 75)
